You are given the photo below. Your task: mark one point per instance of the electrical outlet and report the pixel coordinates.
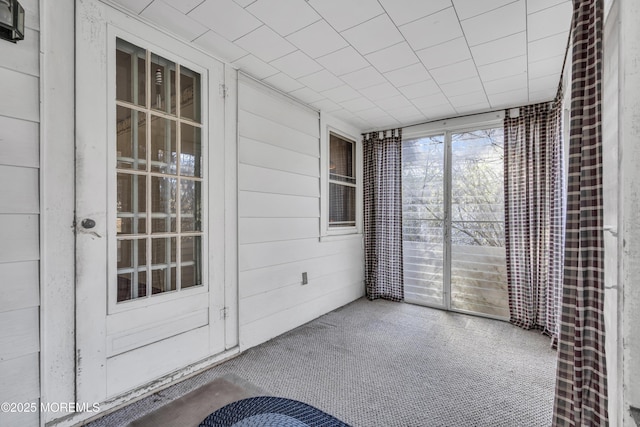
(304, 278)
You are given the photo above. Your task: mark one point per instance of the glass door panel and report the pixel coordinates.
(423, 215)
(478, 265)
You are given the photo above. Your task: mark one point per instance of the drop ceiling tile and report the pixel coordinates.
(283, 82)
(534, 6)
(317, 39)
(501, 49)
(474, 108)
(433, 29)
(225, 18)
(346, 14)
(219, 46)
(473, 98)
(387, 122)
(509, 99)
(393, 103)
(498, 23)
(408, 75)
(548, 47)
(452, 73)
(343, 61)
(384, 90)
(272, 12)
(135, 6)
(174, 20)
(548, 22)
(546, 67)
(363, 78)
(296, 64)
(358, 104)
(341, 93)
(265, 44)
(371, 113)
(408, 114)
(419, 90)
(546, 83)
(255, 67)
(306, 95)
(430, 101)
(326, 105)
(373, 35)
(321, 81)
(184, 6)
(462, 86)
(441, 111)
(507, 84)
(469, 8)
(404, 11)
(502, 69)
(245, 3)
(393, 57)
(542, 95)
(446, 53)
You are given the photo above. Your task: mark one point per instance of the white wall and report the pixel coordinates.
(19, 221)
(279, 220)
(610, 194)
(629, 202)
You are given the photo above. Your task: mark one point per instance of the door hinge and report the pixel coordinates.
(224, 312)
(224, 91)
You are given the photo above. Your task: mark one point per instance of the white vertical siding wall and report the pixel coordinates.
(19, 221)
(279, 220)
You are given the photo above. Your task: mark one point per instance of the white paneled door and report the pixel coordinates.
(149, 202)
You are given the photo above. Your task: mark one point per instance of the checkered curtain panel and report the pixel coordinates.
(383, 214)
(534, 215)
(581, 381)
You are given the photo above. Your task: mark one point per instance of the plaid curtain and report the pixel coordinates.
(534, 215)
(581, 381)
(383, 214)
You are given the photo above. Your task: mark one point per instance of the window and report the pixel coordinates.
(342, 182)
(159, 174)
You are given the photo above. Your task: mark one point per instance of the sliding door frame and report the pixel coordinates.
(447, 128)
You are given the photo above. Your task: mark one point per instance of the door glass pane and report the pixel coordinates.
(423, 219)
(190, 94)
(132, 264)
(130, 73)
(131, 146)
(131, 204)
(478, 266)
(163, 265)
(164, 153)
(163, 204)
(163, 84)
(191, 261)
(190, 151)
(190, 209)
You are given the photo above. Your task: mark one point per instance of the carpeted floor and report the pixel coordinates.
(379, 363)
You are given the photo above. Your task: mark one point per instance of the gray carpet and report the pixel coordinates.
(379, 363)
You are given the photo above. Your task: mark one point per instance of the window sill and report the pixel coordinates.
(333, 237)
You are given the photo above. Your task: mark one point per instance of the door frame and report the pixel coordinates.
(446, 128)
(96, 24)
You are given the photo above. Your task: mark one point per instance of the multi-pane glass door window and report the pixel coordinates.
(453, 221)
(159, 174)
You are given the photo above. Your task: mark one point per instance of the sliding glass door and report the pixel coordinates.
(453, 221)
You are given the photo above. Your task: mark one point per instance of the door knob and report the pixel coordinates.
(88, 223)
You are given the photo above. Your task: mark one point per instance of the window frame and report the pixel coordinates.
(330, 126)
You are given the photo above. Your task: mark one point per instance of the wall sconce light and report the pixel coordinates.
(11, 20)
